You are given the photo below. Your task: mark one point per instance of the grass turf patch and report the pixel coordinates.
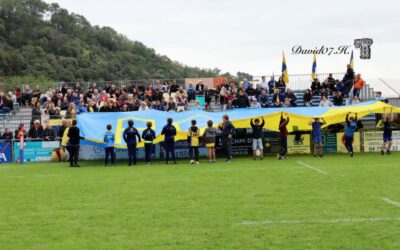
(247, 204)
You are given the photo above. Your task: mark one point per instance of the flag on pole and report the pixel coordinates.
(285, 75)
(352, 60)
(314, 67)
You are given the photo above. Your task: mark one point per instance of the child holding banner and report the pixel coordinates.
(257, 137)
(387, 122)
(109, 139)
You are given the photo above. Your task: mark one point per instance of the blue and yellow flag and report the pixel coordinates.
(352, 60)
(285, 74)
(314, 68)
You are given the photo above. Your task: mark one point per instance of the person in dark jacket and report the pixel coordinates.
(307, 97)
(74, 144)
(337, 99)
(242, 101)
(61, 130)
(228, 130)
(7, 135)
(36, 131)
(169, 132)
(48, 133)
(284, 134)
(148, 136)
(348, 80)
(257, 136)
(130, 135)
(263, 99)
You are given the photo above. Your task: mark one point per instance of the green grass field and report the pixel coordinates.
(302, 203)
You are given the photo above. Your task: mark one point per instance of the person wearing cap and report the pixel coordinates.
(130, 134)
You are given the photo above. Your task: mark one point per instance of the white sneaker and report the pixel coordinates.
(197, 162)
(192, 161)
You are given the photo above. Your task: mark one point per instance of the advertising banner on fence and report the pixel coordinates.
(329, 143)
(35, 151)
(5, 152)
(373, 141)
(340, 145)
(301, 146)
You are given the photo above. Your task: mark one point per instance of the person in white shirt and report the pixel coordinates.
(254, 104)
(325, 102)
(264, 83)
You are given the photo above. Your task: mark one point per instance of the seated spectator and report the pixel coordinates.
(196, 106)
(207, 94)
(191, 92)
(92, 107)
(49, 134)
(52, 111)
(287, 103)
(171, 107)
(36, 93)
(71, 111)
(316, 87)
(222, 93)
(271, 85)
(358, 85)
(36, 131)
(325, 102)
(165, 87)
(276, 98)
(200, 88)
(228, 100)
(181, 102)
(242, 101)
(356, 100)
(143, 106)
(208, 108)
(6, 103)
(281, 85)
(307, 98)
(158, 106)
(337, 98)
(263, 99)
(250, 91)
(378, 96)
(106, 107)
(254, 104)
(292, 97)
(64, 104)
(173, 89)
(7, 135)
(114, 106)
(36, 113)
(18, 95)
(246, 84)
(81, 108)
(339, 86)
(331, 83)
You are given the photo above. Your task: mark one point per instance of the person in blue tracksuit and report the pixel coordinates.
(349, 133)
(316, 125)
(130, 135)
(109, 139)
(169, 132)
(148, 136)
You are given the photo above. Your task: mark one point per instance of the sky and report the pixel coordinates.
(249, 36)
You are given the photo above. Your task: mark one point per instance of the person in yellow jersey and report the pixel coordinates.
(194, 142)
(65, 139)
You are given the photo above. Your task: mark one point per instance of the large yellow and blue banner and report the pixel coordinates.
(93, 125)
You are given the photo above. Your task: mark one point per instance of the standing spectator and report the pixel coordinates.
(148, 136)
(18, 95)
(129, 136)
(228, 100)
(200, 88)
(227, 129)
(173, 89)
(169, 132)
(316, 87)
(348, 81)
(264, 83)
(26, 96)
(284, 134)
(109, 140)
(358, 85)
(36, 113)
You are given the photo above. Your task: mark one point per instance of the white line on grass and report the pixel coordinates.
(320, 221)
(311, 167)
(387, 200)
(35, 175)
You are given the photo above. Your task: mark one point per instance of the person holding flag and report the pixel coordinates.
(349, 133)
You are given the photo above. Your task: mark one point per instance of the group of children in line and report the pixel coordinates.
(208, 138)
